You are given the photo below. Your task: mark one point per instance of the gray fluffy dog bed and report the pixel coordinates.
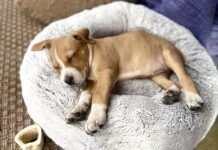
(136, 119)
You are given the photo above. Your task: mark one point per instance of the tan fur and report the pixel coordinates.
(133, 54)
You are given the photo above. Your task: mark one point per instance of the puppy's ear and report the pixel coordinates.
(82, 35)
(84, 32)
(39, 46)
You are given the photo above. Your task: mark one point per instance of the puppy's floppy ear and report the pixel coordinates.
(39, 46)
(82, 35)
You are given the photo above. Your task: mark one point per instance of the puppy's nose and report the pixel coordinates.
(69, 80)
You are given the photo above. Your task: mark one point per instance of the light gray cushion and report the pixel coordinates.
(136, 119)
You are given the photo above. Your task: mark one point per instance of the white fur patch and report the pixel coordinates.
(97, 116)
(85, 98)
(69, 71)
(90, 55)
(77, 76)
(60, 62)
(192, 99)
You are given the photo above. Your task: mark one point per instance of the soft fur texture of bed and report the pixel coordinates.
(136, 119)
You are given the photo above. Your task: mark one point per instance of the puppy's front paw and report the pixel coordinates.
(80, 110)
(77, 114)
(96, 119)
(171, 95)
(193, 100)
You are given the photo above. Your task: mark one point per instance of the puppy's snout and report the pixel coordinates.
(69, 80)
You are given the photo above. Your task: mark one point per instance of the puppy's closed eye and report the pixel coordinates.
(71, 56)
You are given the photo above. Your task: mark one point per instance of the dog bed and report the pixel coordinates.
(136, 119)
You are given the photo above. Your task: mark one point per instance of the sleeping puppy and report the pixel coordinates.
(101, 63)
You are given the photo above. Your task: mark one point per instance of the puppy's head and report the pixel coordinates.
(70, 55)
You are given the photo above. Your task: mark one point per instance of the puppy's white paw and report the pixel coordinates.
(193, 100)
(96, 118)
(79, 111)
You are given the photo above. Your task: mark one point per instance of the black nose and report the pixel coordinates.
(69, 80)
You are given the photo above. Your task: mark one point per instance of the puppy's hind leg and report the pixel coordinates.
(172, 92)
(174, 60)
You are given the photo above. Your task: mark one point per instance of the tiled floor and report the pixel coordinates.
(16, 31)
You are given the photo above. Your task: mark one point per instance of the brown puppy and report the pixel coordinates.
(103, 62)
